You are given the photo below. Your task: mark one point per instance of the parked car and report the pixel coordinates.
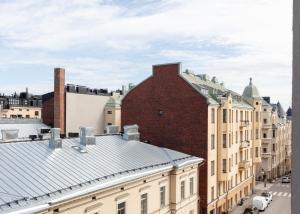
(285, 179)
(260, 203)
(251, 210)
(268, 196)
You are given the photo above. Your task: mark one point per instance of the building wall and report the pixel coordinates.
(106, 201)
(170, 113)
(85, 110)
(112, 116)
(48, 112)
(21, 112)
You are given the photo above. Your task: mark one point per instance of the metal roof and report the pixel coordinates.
(32, 174)
(212, 90)
(25, 129)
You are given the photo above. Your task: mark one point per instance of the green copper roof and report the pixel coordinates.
(251, 91)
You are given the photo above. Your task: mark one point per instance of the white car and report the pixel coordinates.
(260, 203)
(285, 179)
(268, 196)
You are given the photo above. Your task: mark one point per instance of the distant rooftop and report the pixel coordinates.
(212, 89)
(25, 127)
(32, 174)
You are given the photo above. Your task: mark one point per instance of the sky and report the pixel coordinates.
(110, 43)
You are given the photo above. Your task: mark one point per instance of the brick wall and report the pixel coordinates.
(48, 110)
(170, 114)
(59, 99)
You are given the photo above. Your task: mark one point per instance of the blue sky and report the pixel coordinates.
(109, 43)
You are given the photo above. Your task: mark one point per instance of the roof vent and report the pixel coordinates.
(55, 142)
(9, 134)
(112, 129)
(86, 136)
(131, 132)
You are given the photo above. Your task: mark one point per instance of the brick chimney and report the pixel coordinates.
(59, 99)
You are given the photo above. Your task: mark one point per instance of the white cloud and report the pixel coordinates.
(260, 29)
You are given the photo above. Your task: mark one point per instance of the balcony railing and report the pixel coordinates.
(266, 155)
(244, 165)
(244, 123)
(244, 144)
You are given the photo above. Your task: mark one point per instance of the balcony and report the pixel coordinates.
(244, 165)
(244, 144)
(266, 126)
(266, 155)
(244, 123)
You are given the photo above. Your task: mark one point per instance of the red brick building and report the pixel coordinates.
(184, 112)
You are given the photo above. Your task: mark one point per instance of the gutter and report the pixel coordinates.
(46, 205)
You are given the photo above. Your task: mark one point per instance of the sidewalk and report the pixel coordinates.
(259, 188)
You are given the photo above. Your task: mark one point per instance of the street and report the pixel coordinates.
(281, 203)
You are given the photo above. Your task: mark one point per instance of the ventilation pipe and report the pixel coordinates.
(131, 132)
(55, 142)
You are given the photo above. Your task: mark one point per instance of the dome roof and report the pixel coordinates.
(251, 91)
(281, 112)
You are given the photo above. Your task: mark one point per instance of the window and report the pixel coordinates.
(265, 121)
(274, 148)
(229, 116)
(256, 116)
(109, 124)
(212, 193)
(36, 113)
(109, 112)
(224, 165)
(122, 208)
(27, 116)
(213, 115)
(256, 152)
(236, 116)
(264, 150)
(224, 115)
(20, 109)
(241, 116)
(162, 196)
(191, 186)
(212, 142)
(182, 189)
(256, 134)
(229, 164)
(265, 135)
(274, 134)
(144, 204)
(224, 141)
(212, 165)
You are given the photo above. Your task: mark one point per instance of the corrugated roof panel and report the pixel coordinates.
(34, 171)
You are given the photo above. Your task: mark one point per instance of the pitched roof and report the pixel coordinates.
(32, 174)
(212, 89)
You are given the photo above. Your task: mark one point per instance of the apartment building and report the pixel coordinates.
(71, 106)
(97, 174)
(276, 141)
(197, 115)
(23, 105)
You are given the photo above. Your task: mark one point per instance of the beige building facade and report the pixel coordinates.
(276, 141)
(157, 193)
(234, 144)
(234, 158)
(21, 112)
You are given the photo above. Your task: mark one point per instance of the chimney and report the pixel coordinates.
(86, 136)
(59, 99)
(131, 132)
(123, 89)
(55, 142)
(112, 129)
